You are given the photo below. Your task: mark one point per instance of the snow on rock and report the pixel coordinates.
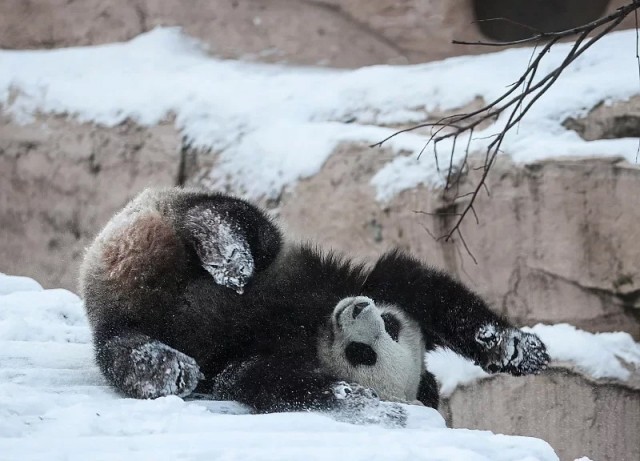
(55, 405)
(273, 125)
(598, 355)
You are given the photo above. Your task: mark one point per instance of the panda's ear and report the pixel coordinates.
(360, 354)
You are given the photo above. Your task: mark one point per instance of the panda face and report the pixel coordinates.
(362, 325)
(375, 346)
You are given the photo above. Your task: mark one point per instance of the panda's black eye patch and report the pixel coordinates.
(360, 354)
(391, 325)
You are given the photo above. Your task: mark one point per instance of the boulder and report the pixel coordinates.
(577, 415)
(608, 121)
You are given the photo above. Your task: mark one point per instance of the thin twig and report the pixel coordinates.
(516, 103)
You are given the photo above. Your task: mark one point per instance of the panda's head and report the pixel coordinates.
(377, 346)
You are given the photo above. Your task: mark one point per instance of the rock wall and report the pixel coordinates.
(578, 416)
(60, 181)
(343, 33)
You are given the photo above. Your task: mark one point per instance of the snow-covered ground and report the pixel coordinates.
(54, 405)
(274, 124)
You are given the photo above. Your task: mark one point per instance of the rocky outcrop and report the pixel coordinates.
(60, 181)
(577, 415)
(342, 33)
(609, 121)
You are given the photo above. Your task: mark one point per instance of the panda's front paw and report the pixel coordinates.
(357, 404)
(511, 350)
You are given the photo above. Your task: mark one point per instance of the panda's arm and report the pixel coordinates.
(272, 384)
(457, 317)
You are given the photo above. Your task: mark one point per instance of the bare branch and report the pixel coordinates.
(516, 104)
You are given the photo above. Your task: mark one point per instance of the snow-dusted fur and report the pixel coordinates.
(186, 289)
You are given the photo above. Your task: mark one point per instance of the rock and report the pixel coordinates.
(342, 33)
(609, 121)
(60, 182)
(62, 23)
(576, 415)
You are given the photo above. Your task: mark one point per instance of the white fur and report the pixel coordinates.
(396, 374)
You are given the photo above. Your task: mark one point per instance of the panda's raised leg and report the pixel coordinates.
(284, 383)
(145, 368)
(232, 238)
(457, 317)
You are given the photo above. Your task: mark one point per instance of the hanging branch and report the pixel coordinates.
(514, 103)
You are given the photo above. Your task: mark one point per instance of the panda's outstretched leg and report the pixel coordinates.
(454, 316)
(286, 383)
(145, 368)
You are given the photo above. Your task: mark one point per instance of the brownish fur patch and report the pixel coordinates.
(145, 249)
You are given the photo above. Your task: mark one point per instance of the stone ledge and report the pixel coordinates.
(576, 414)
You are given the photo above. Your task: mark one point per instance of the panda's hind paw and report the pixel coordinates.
(153, 369)
(222, 248)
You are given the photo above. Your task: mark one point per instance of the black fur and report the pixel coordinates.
(392, 326)
(428, 390)
(360, 354)
(259, 347)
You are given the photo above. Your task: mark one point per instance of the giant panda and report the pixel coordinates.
(189, 290)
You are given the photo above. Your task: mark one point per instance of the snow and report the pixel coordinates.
(55, 405)
(452, 370)
(273, 125)
(598, 355)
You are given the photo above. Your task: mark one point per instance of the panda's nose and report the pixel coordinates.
(358, 308)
